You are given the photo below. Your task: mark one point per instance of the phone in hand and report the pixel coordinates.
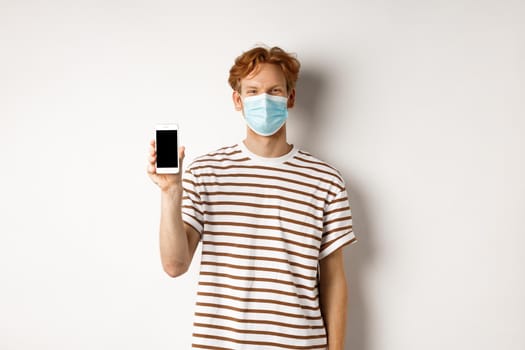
(167, 147)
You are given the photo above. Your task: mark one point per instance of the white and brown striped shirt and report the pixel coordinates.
(265, 223)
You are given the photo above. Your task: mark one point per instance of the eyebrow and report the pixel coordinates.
(271, 87)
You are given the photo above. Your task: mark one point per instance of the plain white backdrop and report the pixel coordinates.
(418, 103)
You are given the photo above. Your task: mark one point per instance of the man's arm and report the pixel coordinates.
(178, 240)
(334, 298)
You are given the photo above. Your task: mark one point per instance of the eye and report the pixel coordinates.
(251, 92)
(276, 90)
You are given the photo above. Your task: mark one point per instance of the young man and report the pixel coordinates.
(272, 220)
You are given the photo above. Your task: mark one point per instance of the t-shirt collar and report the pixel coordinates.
(273, 160)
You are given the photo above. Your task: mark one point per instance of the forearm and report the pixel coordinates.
(174, 249)
(334, 302)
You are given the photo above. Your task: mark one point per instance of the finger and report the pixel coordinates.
(152, 146)
(151, 169)
(182, 154)
(151, 155)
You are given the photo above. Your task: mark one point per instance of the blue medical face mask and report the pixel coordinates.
(265, 114)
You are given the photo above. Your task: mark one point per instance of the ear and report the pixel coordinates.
(291, 99)
(237, 100)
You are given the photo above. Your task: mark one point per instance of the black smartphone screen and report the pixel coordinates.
(167, 149)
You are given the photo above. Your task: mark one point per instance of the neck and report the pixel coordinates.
(267, 146)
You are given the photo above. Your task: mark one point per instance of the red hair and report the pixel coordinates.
(250, 60)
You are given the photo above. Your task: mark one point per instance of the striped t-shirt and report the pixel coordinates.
(264, 223)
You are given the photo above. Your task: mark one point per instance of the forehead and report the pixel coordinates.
(265, 74)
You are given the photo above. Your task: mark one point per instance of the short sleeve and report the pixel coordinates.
(337, 225)
(192, 213)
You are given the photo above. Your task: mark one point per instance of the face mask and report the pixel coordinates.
(265, 114)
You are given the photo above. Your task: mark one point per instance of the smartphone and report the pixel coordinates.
(167, 147)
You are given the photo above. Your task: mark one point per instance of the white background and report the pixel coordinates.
(418, 103)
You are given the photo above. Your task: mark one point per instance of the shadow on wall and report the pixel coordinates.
(311, 92)
(356, 257)
(310, 88)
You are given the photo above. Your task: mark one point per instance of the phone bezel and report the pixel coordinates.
(167, 127)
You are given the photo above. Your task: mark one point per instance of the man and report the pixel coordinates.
(272, 220)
